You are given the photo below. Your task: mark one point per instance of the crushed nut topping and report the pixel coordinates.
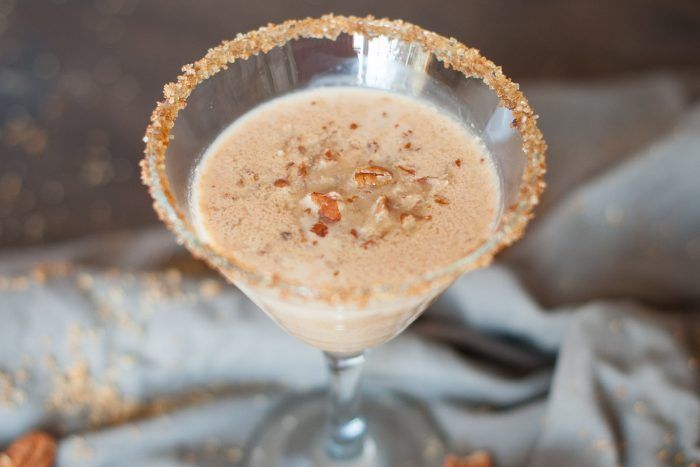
(320, 229)
(408, 170)
(327, 206)
(441, 200)
(281, 183)
(372, 176)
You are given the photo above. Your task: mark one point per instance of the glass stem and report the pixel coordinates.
(346, 427)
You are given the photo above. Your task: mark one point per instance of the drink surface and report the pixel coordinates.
(345, 187)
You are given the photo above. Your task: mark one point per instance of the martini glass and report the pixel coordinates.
(336, 427)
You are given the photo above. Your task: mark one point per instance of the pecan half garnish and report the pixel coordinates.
(372, 176)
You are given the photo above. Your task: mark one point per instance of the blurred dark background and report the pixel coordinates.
(78, 80)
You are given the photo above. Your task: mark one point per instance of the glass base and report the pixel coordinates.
(400, 432)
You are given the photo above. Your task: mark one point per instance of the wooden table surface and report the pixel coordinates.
(78, 80)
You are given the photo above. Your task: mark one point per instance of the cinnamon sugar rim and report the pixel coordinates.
(450, 52)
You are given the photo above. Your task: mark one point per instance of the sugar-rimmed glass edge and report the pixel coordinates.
(450, 52)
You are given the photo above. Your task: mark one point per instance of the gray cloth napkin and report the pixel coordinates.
(578, 347)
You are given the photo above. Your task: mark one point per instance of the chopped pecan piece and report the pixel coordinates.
(281, 183)
(327, 206)
(372, 175)
(320, 229)
(441, 200)
(36, 449)
(408, 170)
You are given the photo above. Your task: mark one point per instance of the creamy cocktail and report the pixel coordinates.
(345, 186)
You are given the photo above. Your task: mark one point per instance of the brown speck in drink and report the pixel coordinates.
(367, 244)
(314, 243)
(458, 162)
(330, 154)
(396, 125)
(354, 233)
(481, 161)
(373, 146)
(384, 114)
(302, 149)
(335, 273)
(320, 229)
(241, 182)
(313, 102)
(353, 126)
(407, 145)
(301, 171)
(307, 211)
(290, 164)
(281, 183)
(286, 235)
